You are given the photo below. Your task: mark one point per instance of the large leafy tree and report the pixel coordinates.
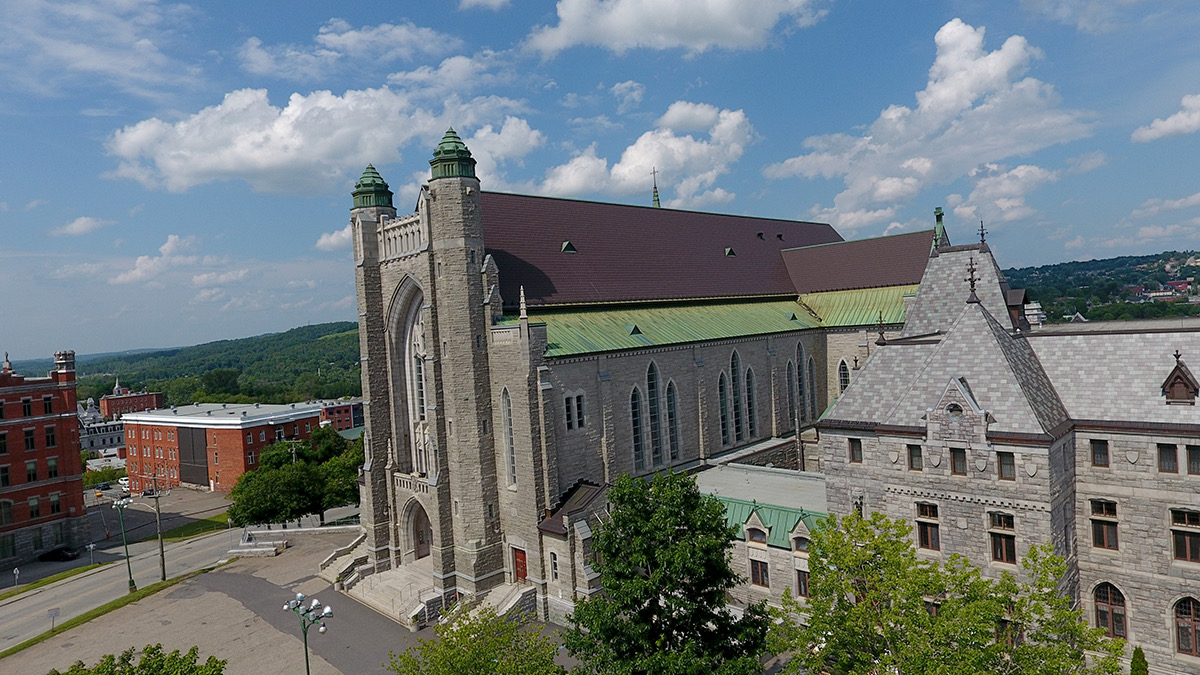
(663, 562)
(875, 607)
(479, 642)
(151, 661)
(298, 478)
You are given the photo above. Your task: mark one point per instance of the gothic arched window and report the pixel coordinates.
(812, 389)
(723, 395)
(791, 393)
(656, 449)
(510, 446)
(750, 411)
(1110, 610)
(735, 375)
(672, 421)
(1187, 626)
(635, 421)
(843, 376)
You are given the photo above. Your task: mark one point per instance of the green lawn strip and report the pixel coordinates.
(102, 610)
(195, 528)
(48, 580)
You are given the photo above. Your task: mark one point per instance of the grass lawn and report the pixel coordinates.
(195, 528)
(47, 581)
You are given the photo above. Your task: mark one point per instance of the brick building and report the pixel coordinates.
(343, 414)
(122, 401)
(209, 444)
(41, 481)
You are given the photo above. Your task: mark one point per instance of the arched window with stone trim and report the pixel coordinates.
(1187, 626)
(803, 390)
(751, 412)
(723, 398)
(635, 423)
(843, 376)
(812, 389)
(735, 377)
(510, 446)
(791, 393)
(1110, 610)
(672, 421)
(656, 440)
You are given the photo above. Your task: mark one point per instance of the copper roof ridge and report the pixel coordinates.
(859, 288)
(851, 241)
(662, 301)
(655, 208)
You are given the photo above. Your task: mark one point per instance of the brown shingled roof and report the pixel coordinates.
(633, 253)
(896, 260)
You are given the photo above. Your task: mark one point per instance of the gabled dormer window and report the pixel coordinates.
(756, 535)
(800, 545)
(1180, 387)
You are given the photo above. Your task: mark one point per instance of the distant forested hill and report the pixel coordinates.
(318, 361)
(1109, 289)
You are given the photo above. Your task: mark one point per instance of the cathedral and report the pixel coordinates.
(519, 352)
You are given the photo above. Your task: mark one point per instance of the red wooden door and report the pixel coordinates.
(519, 564)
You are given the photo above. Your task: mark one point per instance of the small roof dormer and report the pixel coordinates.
(1180, 387)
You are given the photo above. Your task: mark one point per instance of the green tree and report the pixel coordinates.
(1138, 665)
(479, 642)
(327, 443)
(341, 476)
(875, 607)
(269, 495)
(663, 562)
(220, 381)
(152, 661)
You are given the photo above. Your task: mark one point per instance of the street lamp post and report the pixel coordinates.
(162, 554)
(312, 615)
(120, 505)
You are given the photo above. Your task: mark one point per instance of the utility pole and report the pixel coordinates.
(162, 554)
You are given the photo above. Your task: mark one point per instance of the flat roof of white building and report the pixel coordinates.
(226, 415)
(777, 487)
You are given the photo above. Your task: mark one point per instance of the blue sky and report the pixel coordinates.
(174, 174)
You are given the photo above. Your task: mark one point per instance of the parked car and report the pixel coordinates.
(123, 481)
(148, 492)
(104, 486)
(59, 555)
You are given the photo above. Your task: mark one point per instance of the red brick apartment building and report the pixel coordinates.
(41, 480)
(209, 444)
(343, 414)
(122, 401)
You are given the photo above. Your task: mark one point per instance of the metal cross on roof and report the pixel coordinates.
(972, 278)
(1177, 355)
(982, 233)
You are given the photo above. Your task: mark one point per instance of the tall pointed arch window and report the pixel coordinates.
(510, 446)
(791, 393)
(735, 376)
(1110, 610)
(812, 389)
(635, 420)
(802, 385)
(656, 440)
(751, 423)
(723, 396)
(1187, 626)
(673, 421)
(843, 376)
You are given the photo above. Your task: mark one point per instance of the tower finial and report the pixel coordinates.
(654, 174)
(524, 314)
(982, 233)
(973, 299)
(939, 231)
(1177, 354)
(881, 341)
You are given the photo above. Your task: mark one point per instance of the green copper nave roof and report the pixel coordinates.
(574, 332)
(452, 158)
(780, 520)
(371, 190)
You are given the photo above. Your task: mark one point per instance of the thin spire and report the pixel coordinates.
(881, 341)
(973, 299)
(982, 233)
(524, 315)
(654, 174)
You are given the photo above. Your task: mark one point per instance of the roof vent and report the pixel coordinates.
(779, 236)
(256, 405)
(792, 316)
(208, 412)
(243, 413)
(174, 411)
(633, 330)
(568, 247)
(729, 253)
(760, 236)
(223, 405)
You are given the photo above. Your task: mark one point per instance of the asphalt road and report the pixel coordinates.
(25, 616)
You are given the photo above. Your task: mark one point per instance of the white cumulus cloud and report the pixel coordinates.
(336, 240)
(999, 195)
(150, 267)
(309, 144)
(486, 4)
(218, 278)
(81, 225)
(976, 108)
(628, 94)
(1152, 207)
(621, 25)
(1186, 121)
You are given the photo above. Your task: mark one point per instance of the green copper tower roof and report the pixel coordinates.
(452, 158)
(371, 190)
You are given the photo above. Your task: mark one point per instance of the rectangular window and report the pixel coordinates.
(1099, 452)
(1006, 465)
(249, 437)
(802, 584)
(3, 442)
(915, 462)
(579, 411)
(553, 565)
(30, 443)
(5, 481)
(1004, 547)
(55, 503)
(262, 436)
(1, 417)
(856, 450)
(569, 408)
(928, 536)
(250, 458)
(31, 471)
(37, 539)
(51, 438)
(1186, 542)
(216, 458)
(958, 462)
(52, 467)
(27, 407)
(48, 405)
(1001, 521)
(6, 516)
(8, 545)
(1193, 454)
(760, 574)
(927, 511)
(1104, 534)
(308, 427)
(1168, 458)
(35, 508)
